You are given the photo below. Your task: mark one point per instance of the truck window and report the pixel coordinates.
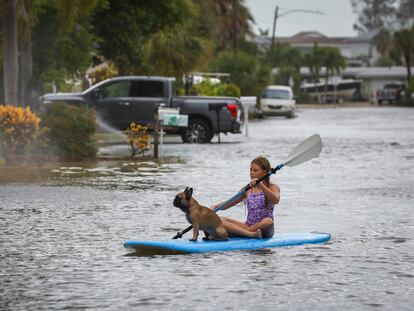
(147, 89)
(116, 89)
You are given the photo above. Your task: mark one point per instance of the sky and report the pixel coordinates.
(337, 20)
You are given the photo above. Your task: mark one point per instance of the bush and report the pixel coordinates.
(18, 128)
(138, 139)
(206, 88)
(72, 130)
(228, 89)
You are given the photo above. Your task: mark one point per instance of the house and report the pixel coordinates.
(373, 78)
(358, 51)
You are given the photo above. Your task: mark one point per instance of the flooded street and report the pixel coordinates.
(62, 226)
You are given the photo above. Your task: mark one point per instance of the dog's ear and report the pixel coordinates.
(188, 193)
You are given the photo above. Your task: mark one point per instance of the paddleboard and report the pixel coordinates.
(183, 246)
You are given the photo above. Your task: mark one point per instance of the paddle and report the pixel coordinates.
(305, 151)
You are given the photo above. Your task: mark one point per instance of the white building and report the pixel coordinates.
(358, 51)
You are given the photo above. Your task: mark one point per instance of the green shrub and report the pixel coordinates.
(72, 130)
(228, 89)
(206, 88)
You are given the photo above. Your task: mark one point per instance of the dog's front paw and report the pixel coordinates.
(193, 240)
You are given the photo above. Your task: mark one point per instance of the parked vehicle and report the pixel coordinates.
(334, 89)
(122, 100)
(277, 100)
(391, 92)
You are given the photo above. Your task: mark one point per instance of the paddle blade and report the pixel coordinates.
(308, 149)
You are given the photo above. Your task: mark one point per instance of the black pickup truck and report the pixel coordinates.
(122, 100)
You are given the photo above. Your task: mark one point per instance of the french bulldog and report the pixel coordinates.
(201, 217)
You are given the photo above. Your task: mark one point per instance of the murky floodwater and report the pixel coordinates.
(61, 233)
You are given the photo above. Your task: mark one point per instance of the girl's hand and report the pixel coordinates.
(253, 183)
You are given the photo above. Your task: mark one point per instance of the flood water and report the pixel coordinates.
(63, 225)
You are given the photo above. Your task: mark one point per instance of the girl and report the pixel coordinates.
(260, 201)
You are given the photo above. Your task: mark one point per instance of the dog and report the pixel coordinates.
(201, 217)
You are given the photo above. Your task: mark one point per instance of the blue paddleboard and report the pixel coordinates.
(183, 246)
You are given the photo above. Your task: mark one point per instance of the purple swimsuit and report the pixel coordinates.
(257, 208)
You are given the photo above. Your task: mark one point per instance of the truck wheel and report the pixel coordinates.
(198, 131)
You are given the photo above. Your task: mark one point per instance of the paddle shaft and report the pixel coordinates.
(238, 195)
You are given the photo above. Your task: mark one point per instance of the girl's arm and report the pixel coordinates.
(272, 192)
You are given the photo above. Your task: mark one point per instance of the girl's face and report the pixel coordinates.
(256, 171)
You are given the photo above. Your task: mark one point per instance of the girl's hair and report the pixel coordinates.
(264, 164)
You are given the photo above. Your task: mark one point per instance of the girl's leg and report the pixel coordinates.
(237, 228)
(265, 226)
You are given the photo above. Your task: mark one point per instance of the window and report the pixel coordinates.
(116, 89)
(147, 89)
(277, 94)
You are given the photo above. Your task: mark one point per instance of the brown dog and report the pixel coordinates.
(201, 217)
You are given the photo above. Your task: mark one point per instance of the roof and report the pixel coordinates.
(310, 37)
(278, 87)
(366, 72)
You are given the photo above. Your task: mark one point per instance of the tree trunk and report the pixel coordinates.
(408, 64)
(326, 87)
(10, 64)
(26, 97)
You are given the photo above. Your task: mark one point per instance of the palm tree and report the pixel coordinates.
(174, 51)
(226, 31)
(314, 61)
(334, 62)
(383, 42)
(404, 41)
(10, 63)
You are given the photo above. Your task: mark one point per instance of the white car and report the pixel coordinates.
(277, 100)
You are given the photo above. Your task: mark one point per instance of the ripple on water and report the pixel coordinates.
(62, 225)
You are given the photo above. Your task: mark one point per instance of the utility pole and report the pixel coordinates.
(234, 6)
(274, 26)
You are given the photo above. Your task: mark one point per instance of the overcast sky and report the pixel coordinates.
(337, 20)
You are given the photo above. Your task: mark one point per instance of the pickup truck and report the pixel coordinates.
(391, 92)
(122, 100)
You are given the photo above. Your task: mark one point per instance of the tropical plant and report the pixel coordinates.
(314, 61)
(174, 51)
(404, 41)
(245, 70)
(334, 63)
(288, 60)
(383, 42)
(206, 88)
(72, 131)
(138, 139)
(228, 89)
(232, 22)
(150, 37)
(18, 128)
